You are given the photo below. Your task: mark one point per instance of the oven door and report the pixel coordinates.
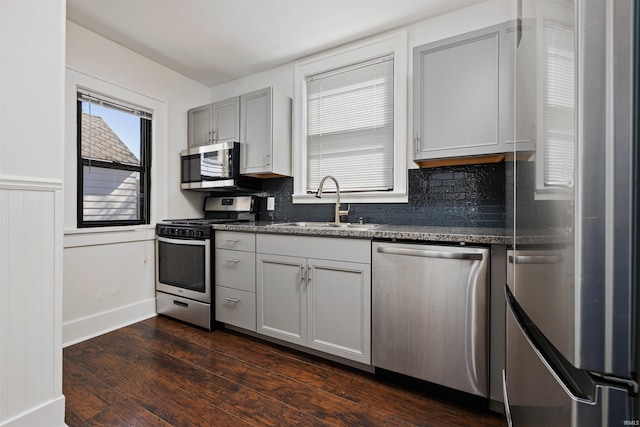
(184, 268)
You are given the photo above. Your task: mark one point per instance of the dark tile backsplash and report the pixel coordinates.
(459, 196)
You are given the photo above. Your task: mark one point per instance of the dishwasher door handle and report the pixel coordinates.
(430, 254)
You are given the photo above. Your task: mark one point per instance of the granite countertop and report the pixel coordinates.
(477, 235)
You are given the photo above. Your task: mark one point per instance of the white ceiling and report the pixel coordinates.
(216, 41)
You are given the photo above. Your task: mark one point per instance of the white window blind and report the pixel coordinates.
(350, 126)
(558, 106)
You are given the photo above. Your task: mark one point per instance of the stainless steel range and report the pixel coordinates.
(184, 259)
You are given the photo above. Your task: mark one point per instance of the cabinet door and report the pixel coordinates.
(200, 126)
(256, 132)
(281, 297)
(457, 96)
(226, 120)
(339, 309)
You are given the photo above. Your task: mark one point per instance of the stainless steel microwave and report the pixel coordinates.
(210, 167)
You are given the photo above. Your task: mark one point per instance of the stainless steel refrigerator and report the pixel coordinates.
(572, 289)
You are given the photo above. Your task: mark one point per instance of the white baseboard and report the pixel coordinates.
(80, 330)
(49, 414)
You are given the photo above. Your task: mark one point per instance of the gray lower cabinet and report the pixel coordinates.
(463, 95)
(315, 292)
(235, 279)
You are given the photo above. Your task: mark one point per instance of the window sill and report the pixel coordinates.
(78, 237)
(351, 198)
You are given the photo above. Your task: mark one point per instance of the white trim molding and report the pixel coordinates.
(28, 183)
(89, 327)
(75, 80)
(392, 43)
(38, 416)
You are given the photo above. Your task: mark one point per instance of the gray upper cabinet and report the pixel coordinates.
(200, 126)
(226, 120)
(463, 95)
(265, 133)
(213, 123)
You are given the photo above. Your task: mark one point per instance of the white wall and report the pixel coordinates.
(472, 18)
(31, 163)
(109, 274)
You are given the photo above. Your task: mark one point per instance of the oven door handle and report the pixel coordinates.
(192, 242)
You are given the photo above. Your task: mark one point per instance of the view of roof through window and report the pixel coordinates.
(124, 126)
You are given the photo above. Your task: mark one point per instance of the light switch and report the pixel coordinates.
(271, 203)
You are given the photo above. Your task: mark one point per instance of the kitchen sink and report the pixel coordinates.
(303, 224)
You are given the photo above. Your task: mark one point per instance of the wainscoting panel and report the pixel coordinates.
(30, 300)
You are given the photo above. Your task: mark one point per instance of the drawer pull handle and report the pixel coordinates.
(180, 303)
(233, 300)
(235, 261)
(232, 241)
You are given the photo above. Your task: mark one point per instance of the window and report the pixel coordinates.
(114, 159)
(350, 122)
(350, 127)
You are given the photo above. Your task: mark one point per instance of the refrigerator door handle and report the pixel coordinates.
(535, 259)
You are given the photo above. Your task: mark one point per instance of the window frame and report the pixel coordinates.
(144, 170)
(394, 44)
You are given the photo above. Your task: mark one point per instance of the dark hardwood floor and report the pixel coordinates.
(161, 372)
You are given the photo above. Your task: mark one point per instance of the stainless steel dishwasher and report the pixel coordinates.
(429, 313)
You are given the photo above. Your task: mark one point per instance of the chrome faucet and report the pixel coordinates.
(319, 195)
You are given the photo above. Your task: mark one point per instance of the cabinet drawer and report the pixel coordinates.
(235, 240)
(333, 248)
(237, 308)
(235, 269)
